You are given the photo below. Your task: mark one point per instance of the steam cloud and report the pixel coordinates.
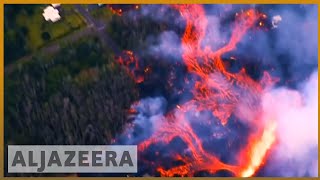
(168, 47)
(296, 114)
(150, 112)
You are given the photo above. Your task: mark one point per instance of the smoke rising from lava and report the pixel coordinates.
(249, 122)
(296, 114)
(168, 46)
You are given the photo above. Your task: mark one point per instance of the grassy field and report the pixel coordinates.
(36, 25)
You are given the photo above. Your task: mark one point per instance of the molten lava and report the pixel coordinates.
(119, 9)
(131, 64)
(218, 91)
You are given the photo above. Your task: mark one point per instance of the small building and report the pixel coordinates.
(51, 14)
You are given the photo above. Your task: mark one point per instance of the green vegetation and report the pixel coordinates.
(128, 33)
(26, 30)
(67, 7)
(103, 14)
(131, 31)
(78, 96)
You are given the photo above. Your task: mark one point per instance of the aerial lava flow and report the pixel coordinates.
(217, 91)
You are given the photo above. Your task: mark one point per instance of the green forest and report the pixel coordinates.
(78, 96)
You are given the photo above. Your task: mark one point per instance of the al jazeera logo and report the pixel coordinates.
(72, 159)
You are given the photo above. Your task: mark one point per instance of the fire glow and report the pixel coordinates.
(217, 91)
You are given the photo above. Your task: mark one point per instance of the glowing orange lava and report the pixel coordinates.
(131, 63)
(218, 91)
(257, 149)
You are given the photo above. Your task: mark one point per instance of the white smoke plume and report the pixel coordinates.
(150, 114)
(296, 115)
(169, 46)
